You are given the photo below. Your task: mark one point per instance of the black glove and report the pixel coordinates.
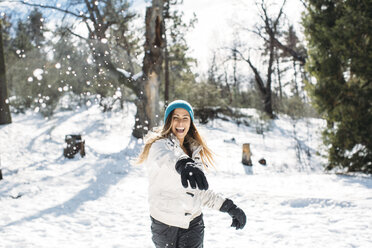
(236, 213)
(186, 168)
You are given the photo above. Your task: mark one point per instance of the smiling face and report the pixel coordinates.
(180, 123)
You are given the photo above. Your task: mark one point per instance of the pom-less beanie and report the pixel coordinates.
(179, 104)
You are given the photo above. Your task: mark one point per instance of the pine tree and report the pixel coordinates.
(340, 54)
(36, 27)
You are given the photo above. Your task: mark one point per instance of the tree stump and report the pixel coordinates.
(246, 160)
(74, 145)
(1, 174)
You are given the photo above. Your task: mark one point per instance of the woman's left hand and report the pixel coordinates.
(190, 174)
(237, 214)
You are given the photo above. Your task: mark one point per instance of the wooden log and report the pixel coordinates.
(246, 159)
(262, 161)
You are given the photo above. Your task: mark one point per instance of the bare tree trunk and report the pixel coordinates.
(229, 94)
(147, 115)
(268, 106)
(5, 117)
(166, 57)
(295, 78)
(279, 77)
(166, 71)
(264, 90)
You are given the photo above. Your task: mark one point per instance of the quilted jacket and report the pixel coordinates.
(169, 201)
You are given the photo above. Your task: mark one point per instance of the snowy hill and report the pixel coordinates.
(101, 200)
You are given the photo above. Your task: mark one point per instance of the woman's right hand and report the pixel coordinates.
(190, 174)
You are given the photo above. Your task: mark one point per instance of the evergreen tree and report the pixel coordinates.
(340, 54)
(28, 67)
(36, 27)
(21, 44)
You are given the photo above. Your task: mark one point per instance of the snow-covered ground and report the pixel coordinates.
(101, 199)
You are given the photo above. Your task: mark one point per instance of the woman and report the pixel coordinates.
(178, 189)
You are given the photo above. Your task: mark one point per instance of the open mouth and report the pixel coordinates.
(180, 129)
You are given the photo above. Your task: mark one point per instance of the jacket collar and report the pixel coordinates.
(195, 149)
(174, 139)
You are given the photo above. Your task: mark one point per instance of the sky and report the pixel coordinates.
(218, 20)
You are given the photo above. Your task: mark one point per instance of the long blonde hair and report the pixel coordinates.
(192, 137)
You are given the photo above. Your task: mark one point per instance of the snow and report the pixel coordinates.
(124, 72)
(101, 200)
(128, 74)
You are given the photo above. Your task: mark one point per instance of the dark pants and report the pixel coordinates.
(167, 236)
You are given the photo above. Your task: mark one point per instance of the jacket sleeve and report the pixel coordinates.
(211, 199)
(165, 153)
(208, 198)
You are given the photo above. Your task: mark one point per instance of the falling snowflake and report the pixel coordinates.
(38, 73)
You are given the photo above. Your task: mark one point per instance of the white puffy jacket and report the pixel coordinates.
(169, 201)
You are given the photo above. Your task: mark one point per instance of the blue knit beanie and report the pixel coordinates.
(179, 104)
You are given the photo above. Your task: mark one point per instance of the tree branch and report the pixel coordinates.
(77, 35)
(257, 76)
(52, 7)
(91, 16)
(296, 56)
(280, 14)
(303, 3)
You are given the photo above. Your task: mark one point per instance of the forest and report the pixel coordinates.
(107, 52)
